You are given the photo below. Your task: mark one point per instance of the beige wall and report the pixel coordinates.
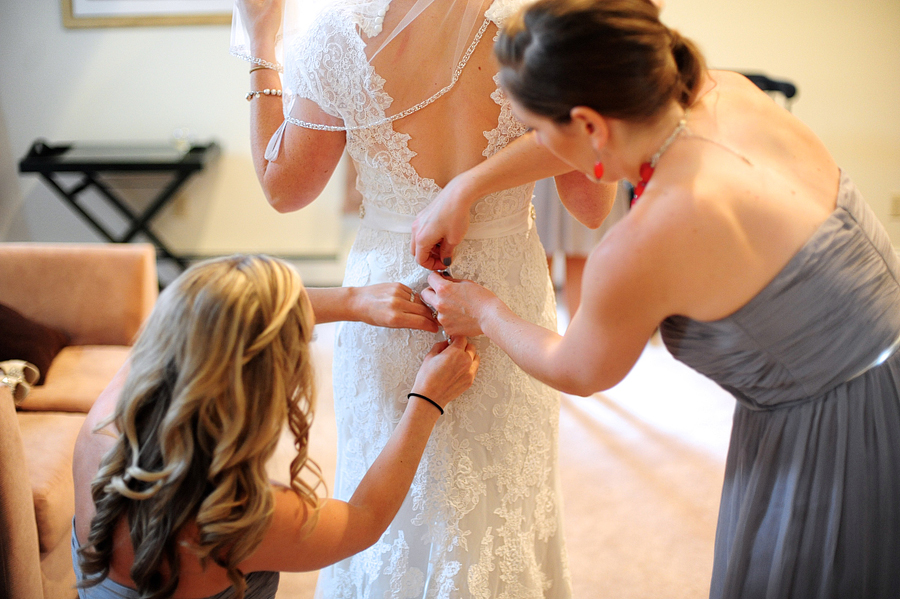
(143, 83)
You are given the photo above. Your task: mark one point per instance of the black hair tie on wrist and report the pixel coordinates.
(428, 399)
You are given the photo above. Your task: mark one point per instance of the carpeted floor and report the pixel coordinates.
(642, 468)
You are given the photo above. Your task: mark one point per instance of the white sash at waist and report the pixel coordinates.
(375, 217)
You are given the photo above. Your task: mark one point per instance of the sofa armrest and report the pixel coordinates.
(20, 566)
(98, 294)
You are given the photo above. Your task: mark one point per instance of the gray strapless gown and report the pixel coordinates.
(811, 501)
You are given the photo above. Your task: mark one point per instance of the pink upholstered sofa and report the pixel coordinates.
(98, 296)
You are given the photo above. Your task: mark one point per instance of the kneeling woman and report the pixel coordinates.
(172, 494)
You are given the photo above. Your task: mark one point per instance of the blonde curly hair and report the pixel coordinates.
(220, 365)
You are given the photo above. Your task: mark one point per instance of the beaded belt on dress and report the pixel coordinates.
(375, 217)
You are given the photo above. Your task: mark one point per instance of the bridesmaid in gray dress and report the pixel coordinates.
(759, 261)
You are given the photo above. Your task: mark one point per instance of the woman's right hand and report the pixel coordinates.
(447, 371)
(262, 18)
(442, 225)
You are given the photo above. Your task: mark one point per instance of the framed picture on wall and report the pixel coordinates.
(144, 13)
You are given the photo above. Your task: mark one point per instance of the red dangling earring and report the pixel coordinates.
(598, 170)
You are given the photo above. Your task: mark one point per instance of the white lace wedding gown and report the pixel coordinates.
(483, 516)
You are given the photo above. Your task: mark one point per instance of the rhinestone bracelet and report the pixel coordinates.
(265, 63)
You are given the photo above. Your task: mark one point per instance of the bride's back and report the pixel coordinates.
(448, 135)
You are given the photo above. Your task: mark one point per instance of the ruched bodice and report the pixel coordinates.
(811, 499)
(796, 340)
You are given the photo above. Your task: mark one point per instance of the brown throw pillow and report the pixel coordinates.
(24, 339)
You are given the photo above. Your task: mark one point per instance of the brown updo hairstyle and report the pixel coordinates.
(613, 56)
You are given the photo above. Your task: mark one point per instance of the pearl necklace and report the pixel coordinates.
(647, 168)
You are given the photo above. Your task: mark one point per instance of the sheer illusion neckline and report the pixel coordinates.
(404, 137)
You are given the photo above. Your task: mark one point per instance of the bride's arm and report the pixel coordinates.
(307, 158)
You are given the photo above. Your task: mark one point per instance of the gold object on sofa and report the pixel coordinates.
(19, 376)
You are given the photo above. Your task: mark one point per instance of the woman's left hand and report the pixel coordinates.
(458, 304)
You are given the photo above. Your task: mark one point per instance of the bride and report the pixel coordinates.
(408, 88)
